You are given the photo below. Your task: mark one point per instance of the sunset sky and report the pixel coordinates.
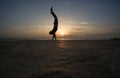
(78, 19)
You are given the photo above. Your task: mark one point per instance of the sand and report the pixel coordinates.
(60, 59)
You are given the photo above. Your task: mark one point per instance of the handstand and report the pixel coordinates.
(53, 31)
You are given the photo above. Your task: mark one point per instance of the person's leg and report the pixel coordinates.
(54, 37)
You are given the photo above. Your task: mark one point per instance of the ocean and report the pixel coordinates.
(60, 59)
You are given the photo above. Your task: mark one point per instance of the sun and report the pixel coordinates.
(62, 33)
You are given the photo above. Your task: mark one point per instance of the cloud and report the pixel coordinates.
(78, 23)
(24, 31)
(75, 30)
(84, 22)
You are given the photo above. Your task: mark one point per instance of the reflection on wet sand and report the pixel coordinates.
(60, 59)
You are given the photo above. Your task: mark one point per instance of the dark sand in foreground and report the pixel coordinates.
(59, 59)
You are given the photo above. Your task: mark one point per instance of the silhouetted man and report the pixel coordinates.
(55, 25)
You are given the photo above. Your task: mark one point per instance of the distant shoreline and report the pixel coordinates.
(33, 39)
(23, 39)
(115, 38)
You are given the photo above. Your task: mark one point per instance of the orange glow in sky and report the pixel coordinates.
(63, 30)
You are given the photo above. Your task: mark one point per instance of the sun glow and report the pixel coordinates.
(64, 30)
(62, 33)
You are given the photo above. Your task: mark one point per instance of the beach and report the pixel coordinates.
(60, 59)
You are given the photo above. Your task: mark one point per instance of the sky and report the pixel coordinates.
(78, 19)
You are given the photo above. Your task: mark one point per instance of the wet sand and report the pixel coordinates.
(60, 59)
